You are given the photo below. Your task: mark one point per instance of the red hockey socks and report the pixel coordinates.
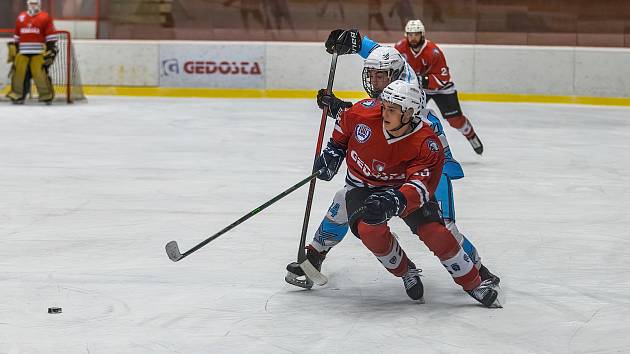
(462, 124)
(379, 240)
(444, 245)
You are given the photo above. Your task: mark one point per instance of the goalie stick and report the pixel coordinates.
(172, 249)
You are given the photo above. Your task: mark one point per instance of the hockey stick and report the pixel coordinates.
(310, 271)
(172, 250)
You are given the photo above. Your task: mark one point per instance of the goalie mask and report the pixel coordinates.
(33, 7)
(383, 66)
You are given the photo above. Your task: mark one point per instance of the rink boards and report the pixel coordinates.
(282, 69)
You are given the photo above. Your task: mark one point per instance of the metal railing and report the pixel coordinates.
(526, 22)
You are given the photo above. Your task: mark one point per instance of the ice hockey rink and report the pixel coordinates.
(92, 192)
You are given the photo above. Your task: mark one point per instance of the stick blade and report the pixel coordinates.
(172, 250)
(313, 274)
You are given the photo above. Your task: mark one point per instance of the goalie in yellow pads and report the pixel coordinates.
(35, 48)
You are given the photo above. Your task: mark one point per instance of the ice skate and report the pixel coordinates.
(485, 274)
(295, 274)
(487, 294)
(413, 284)
(476, 144)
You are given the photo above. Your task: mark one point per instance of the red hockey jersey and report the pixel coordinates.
(32, 32)
(412, 162)
(429, 61)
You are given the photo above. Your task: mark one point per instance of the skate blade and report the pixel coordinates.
(500, 300)
(293, 279)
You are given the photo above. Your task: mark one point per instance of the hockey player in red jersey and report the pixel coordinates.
(394, 164)
(36, 50)
(382, 66)
(429, 63)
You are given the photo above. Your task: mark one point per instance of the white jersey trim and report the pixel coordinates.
(421, 189)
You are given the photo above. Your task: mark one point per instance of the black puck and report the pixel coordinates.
(54, 310)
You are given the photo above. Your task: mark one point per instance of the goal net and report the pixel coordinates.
(64, 72)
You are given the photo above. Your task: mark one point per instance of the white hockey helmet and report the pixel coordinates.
(33, 6)
(414, 26)
(385, 59)
(406, 95)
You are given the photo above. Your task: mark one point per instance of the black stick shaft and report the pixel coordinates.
(301, 256)
(252, 213)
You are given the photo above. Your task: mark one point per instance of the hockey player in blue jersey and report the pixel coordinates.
(382, 65)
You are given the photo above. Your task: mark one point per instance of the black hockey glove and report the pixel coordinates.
(329, 161)
(382, 206)
(343, 42)
(335, 105)
(50, 54)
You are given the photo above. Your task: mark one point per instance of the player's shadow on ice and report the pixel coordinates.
(379, 295)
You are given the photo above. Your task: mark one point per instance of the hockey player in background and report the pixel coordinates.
(382, 66)
(395, 162)
(429, 63)
(36, 50)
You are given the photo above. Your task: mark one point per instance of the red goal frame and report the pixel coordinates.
(69, 55)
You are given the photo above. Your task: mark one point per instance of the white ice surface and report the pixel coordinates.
(90, 194)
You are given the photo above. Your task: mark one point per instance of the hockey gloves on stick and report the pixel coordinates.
(343, 42)
(335, 105)
(329, 161)
(382, 206)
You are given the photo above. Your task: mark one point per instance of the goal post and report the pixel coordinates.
(64, 72)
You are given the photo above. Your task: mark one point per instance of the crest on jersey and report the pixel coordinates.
(362, 132)
(378, 166)
(433, 146)
(368, 103)
(21, 18)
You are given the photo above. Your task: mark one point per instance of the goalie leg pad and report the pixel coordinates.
(18, 78)
(41, 78)
(379, 240)
(12, 52)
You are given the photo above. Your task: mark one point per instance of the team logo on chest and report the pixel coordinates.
(433, 146)
(378, 166)
(362, 133)
(368, 103)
